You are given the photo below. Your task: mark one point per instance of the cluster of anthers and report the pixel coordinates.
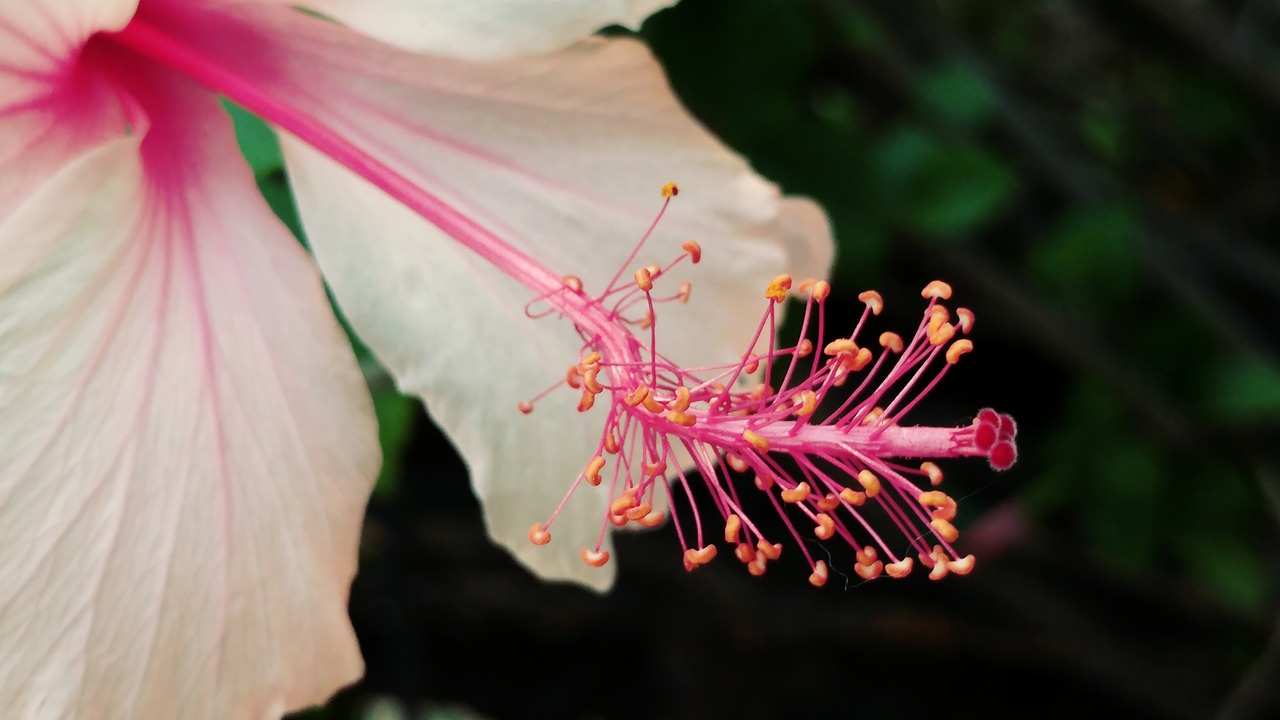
(742, 419)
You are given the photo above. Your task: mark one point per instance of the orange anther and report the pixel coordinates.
(652, 405)
(843, 346)
(937, 290)
(681, 419)
(654, 469)
(750, 364)
(694, 250)
(771, 552)
(525, 406)
(944, 529)
(945, 512)
(623, 503)
(805, 403)
(933, 498)
(538, 535)
(589, 380)
(611, 443)
(826, 526)
(670, 190)
(756, 567)
(573, 282)
(938, 314)
(872, 300)
(869, 482)
(644, 279)
(589, 361)
(852, 496)
(942, 335)
(938, 571)
(818, 577)
(732, 524)
(694, 558)
(866, 555)
(736, 463)
(639, 512)
(594, 558)
(868, 572)
(778, 288)
(756, 440)
(588, 399)
(828, 503)
(645, 322)
(796, 494)
(891, 341)
(573, 377)
(957, 349)
(899, 569)
(933, 471)
(681, 401)
(637, 396)
(965, 319)
(763, 482)
(859, 360)
(617, 520)
(744, 552)
(804, 348)
(962, 566)
(592, 472)
(682, 294)
(653, 519)
(821, 290)
(873, 415)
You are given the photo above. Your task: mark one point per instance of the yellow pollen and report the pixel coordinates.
(962, 566)
(805, 403)
(681, 401)
(778, 288)
(771, 552)
(592, 473)
(637, 396)
(828, 502)
(757, 441)
(744, 552)
(524, 406)
(804, 348)
(965, 321)
(682, 294)
(796, 494)
(680, 418)
(639, 512)
(594, 558)
(573, 282)
(818, 577)
(821, 290)
(538, 535)
(853, 497)
(869, 572)
(764, 482)
(694, 558)
(694, 249)
(933, 471)
(937, 290)
(872, 300)
(957, 349)
(869, 482)
(899, 569)
(588, 399)
(891, 341)
(653, 519)
(611, 443)
(942, 335)
(644, 279)
(944, 529)
(732, 525)
(670, 190)
(826, 526)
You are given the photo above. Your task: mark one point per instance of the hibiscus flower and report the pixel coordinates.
(188, 444)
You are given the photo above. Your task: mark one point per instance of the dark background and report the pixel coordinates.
(1098, 180)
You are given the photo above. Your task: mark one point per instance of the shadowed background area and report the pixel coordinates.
(1099, 181)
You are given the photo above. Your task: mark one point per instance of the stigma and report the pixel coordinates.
(853, 475)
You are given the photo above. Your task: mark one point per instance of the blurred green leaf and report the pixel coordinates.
(955, 191)
(1244, 389)
(956, 93)
(257, 141)
(396, 417)
(1089, 255)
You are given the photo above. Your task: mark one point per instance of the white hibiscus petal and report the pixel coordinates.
(188, 444)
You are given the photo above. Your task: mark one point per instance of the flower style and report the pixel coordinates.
(721, 420)
(188, 442)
